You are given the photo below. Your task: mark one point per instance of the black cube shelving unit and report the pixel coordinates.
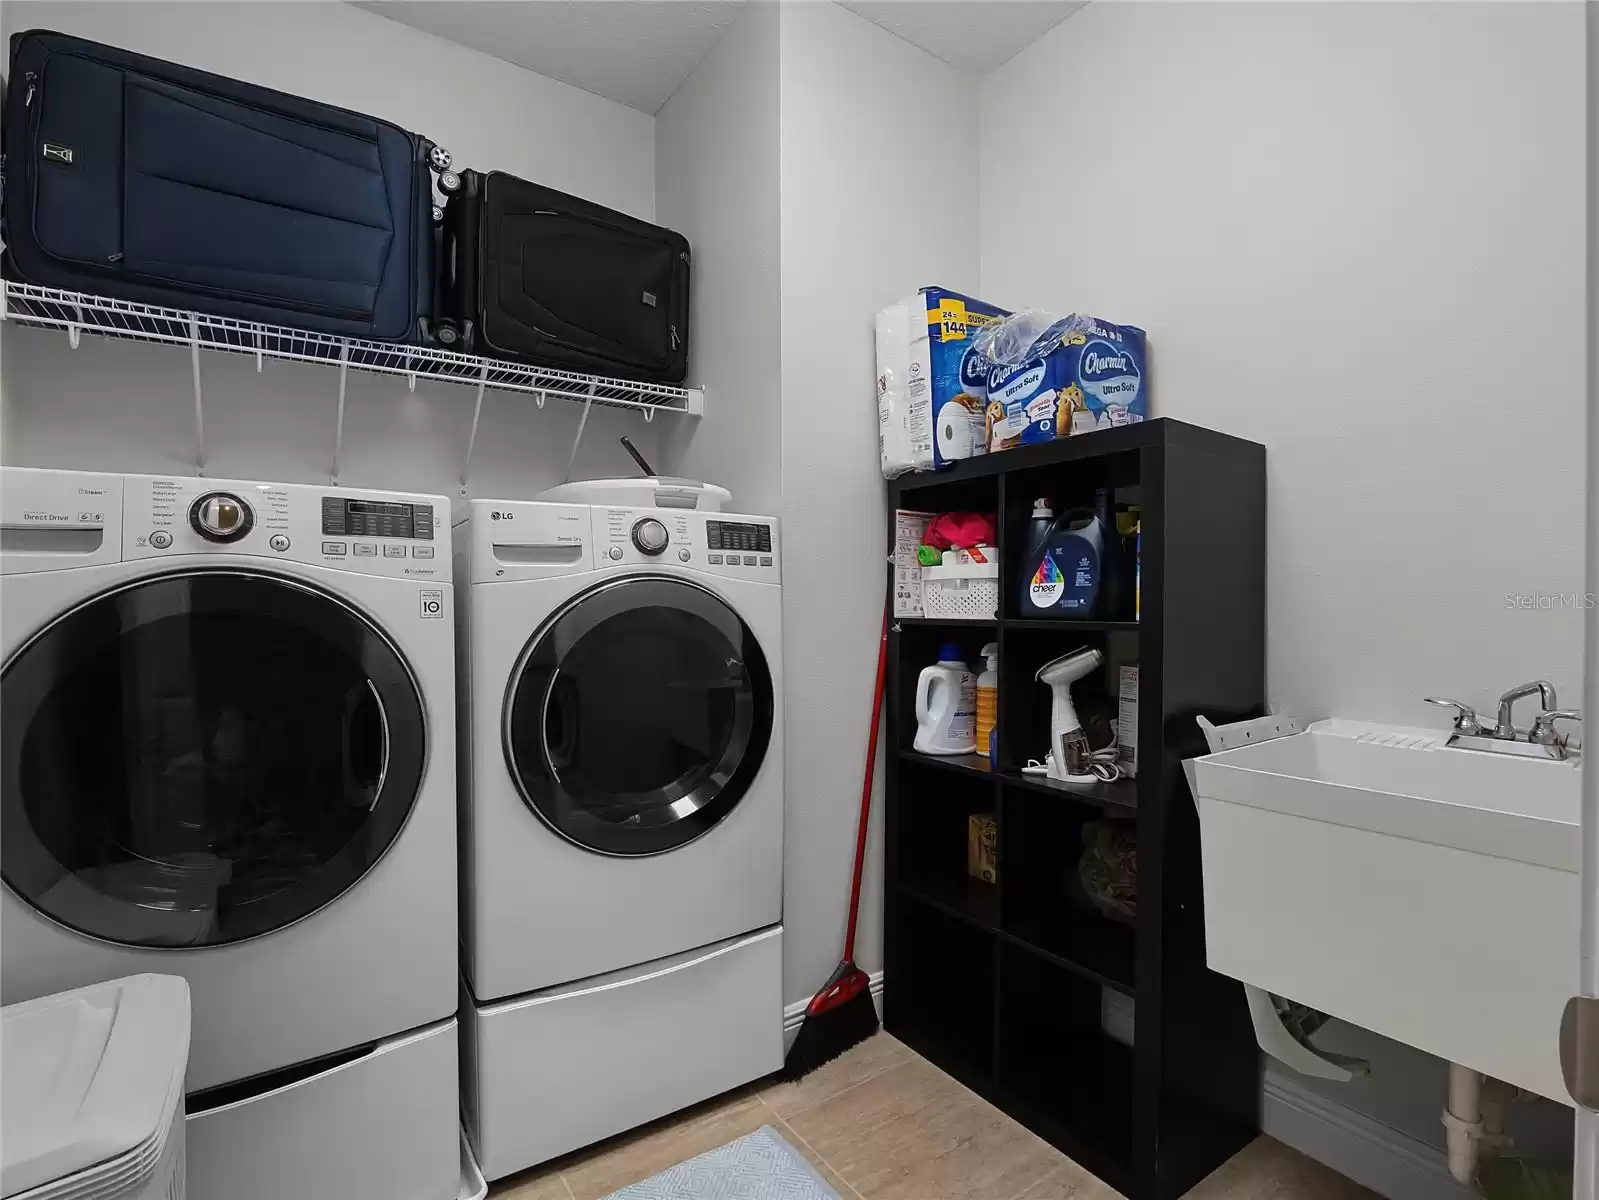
(1004, 985)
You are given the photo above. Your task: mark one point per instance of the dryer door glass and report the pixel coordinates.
(201, 758)
(638, 716)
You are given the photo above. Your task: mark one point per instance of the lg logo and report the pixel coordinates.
(497, 515)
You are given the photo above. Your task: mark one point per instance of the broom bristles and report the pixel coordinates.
(825, 1035)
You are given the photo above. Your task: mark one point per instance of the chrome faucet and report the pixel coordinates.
(1505, 727)
(1543, 730)
(1541, 741)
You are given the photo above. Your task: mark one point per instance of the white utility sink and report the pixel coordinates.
(1423, 891)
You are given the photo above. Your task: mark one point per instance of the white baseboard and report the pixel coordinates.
(794, 1013)
(1389, 1162)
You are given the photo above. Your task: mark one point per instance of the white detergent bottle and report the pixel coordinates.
(946, 706)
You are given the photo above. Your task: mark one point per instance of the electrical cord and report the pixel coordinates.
(1101, 762)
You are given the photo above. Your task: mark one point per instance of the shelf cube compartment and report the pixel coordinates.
(1055, 1057)
(1046, 903)
(943, 990)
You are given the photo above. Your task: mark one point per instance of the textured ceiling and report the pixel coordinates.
(635, 52)
(975, 35)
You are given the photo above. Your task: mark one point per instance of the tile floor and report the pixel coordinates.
(881, 1123)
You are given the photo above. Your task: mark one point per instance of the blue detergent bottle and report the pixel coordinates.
(1062, 574)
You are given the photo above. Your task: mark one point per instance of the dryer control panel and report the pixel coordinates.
(721, 543)
(369, 532)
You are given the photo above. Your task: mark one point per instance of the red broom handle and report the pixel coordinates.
(866, 791)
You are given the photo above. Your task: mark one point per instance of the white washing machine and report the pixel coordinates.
(622, 807)
(227, 752)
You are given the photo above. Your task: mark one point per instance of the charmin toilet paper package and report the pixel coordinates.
(1073, 375)
(931, 385)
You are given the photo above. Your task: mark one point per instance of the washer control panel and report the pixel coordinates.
(747, 537)
(353, 516)
(374, 533)
(721, 544)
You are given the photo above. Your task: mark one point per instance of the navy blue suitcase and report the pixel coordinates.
(148, 181)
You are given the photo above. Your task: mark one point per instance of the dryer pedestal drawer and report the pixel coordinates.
(552, 1071)
(380, 1127)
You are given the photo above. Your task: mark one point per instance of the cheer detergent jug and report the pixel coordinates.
(1063, 574)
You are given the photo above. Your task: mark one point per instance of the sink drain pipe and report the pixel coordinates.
(1463, 1122)
(1474, 1122)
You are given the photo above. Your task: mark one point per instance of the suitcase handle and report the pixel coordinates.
(447, 252)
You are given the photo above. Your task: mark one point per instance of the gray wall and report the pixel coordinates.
(716, 182)
(1351, 230)
(877, 199)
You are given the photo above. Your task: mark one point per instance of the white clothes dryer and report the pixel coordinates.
(622, 807)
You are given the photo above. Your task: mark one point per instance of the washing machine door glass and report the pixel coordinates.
(638, 716)
(204, 757)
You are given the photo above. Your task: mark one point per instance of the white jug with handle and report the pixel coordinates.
(946, 706)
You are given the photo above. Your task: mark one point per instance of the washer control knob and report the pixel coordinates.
(683, 555)
(616, 552)
(161, 539)
(649, 535)
(279, 542)
(221, 517)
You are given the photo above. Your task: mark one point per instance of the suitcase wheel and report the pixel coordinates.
(438, 215)
(449, 182)
(440, 159)
(446, 333)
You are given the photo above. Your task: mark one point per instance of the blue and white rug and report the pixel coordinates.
(759, 1166)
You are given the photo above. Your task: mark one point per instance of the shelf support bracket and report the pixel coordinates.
(477, 413)
(582, 424)
(649, 415)
(410, 375)
(199, 397)
(338, 429)
(259, 361)
(75, 329)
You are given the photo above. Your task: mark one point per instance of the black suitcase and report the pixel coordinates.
(537, 275)
(144, 180)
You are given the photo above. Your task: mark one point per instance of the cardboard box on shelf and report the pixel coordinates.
(982, 847)
(1127, 720)
(909, 530)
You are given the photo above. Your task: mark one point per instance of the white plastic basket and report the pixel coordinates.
(967, 592)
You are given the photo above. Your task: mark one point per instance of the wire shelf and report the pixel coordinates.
(50, 308)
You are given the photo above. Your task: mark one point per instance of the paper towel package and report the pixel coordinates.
(931, 387)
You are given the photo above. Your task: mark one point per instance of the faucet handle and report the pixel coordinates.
(1465, 716)
(1543, 725)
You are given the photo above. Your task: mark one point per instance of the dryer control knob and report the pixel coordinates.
(649, 535)
(221, 517)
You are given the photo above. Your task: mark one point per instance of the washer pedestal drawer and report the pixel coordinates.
(380, 1127)
(549, 1072)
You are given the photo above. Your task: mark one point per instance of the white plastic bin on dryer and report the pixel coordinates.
(92, 1099)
